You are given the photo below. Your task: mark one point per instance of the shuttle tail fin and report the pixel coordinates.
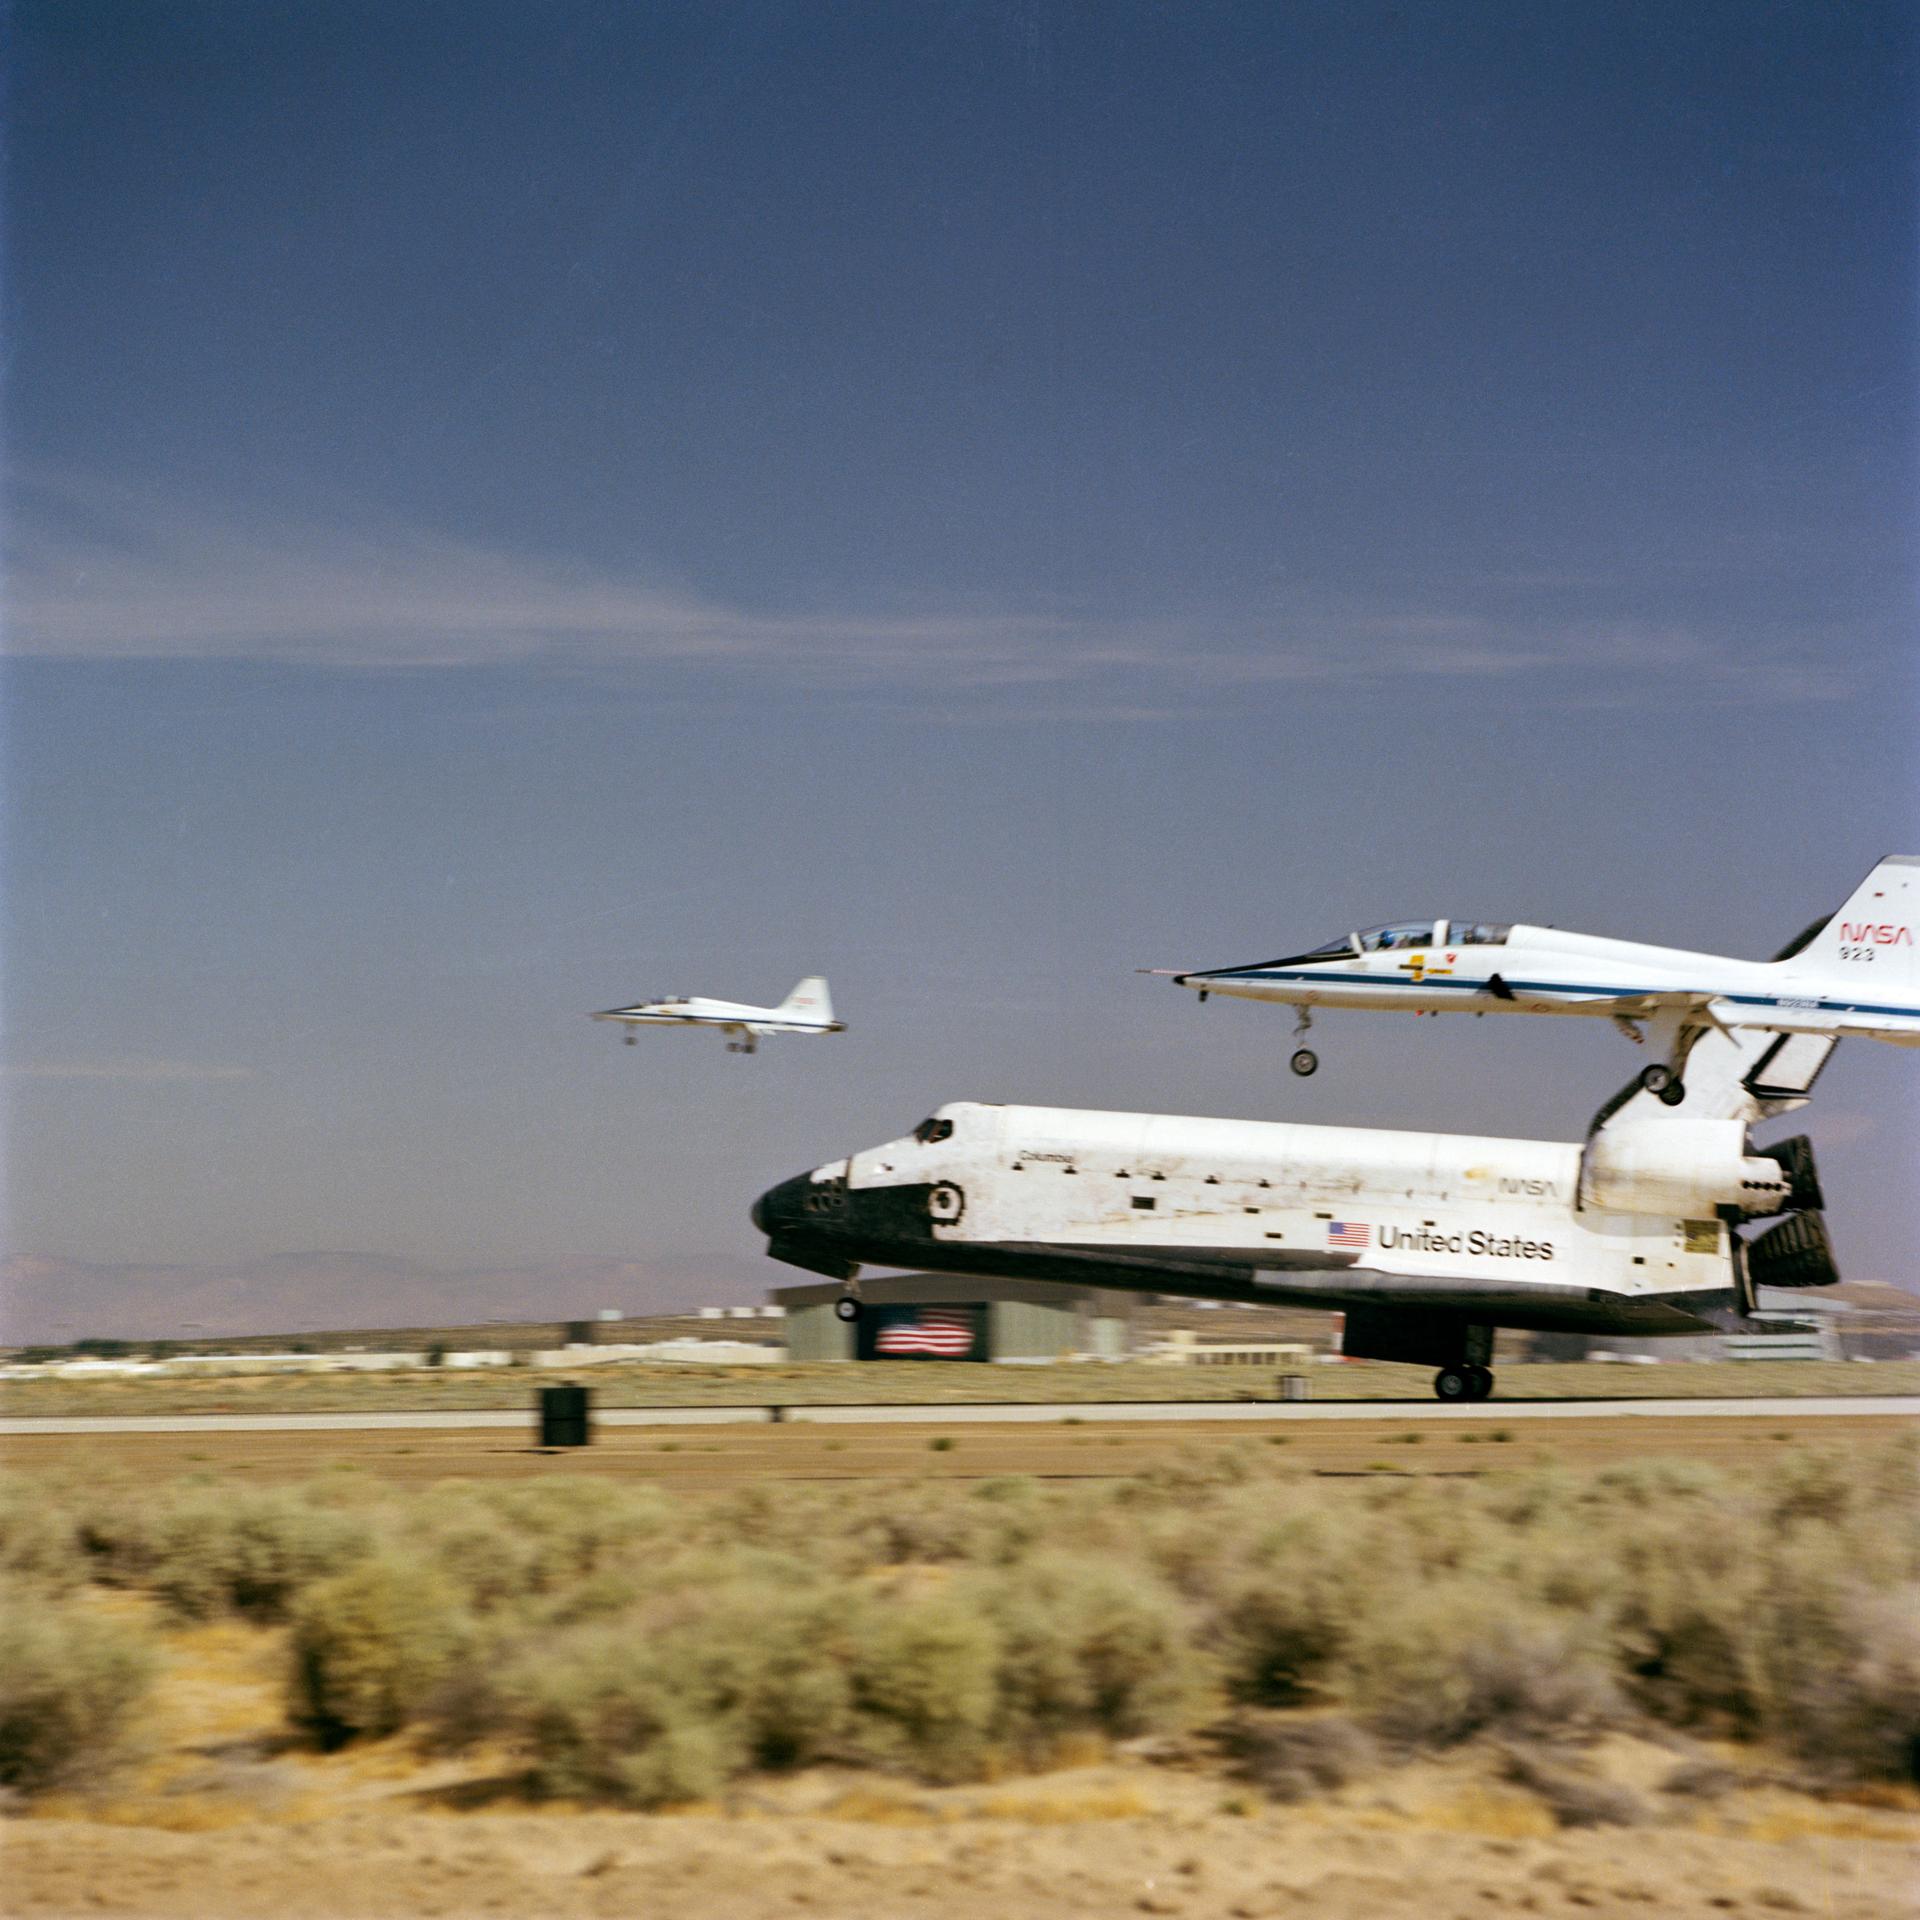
(810, 1000)
(1874, 940)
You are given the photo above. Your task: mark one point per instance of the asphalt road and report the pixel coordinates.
(1855, 1406)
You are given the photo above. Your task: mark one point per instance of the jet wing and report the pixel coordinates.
(1644, 1006)
(1714, 1010)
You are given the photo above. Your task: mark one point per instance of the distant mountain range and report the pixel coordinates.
(46, 1300)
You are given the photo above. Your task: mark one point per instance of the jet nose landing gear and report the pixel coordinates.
(1305, 1060)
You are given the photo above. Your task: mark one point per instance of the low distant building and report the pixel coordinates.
(692, 1352)
(947, 1316)
(1183, 1347)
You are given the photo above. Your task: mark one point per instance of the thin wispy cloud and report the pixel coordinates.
(133, 1068)
(99, 572)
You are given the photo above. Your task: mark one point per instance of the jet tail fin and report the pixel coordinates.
(1872, 939)
(810, 999)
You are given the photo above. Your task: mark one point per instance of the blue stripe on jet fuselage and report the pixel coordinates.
(1794, 1005)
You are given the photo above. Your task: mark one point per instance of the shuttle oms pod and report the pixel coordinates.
(1425, 1241)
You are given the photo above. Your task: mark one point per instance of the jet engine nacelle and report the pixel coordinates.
(1694, 1168)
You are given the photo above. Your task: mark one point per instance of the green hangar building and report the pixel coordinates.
(950, 1316)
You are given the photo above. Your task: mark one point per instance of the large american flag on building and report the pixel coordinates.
(1348, 1233)
(943, 1332)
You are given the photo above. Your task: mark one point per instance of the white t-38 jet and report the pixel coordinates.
(1856, 972)
(807, 1009)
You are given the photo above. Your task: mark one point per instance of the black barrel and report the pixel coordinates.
(566, 1416)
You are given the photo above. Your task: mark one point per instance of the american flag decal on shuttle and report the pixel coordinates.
(1348, 1233)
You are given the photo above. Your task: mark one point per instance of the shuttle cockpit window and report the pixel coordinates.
(930, 1131)
(1385, 939)
(1477, 933)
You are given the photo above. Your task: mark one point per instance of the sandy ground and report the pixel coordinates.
(221, 1814)
(1097, 1842)
(724, 1457)
(223, 1817)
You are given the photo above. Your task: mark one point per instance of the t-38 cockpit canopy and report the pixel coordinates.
(1406, 933)
(1429, 933)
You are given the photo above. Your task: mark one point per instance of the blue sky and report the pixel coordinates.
(510, 508)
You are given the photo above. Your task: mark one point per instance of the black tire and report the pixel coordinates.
(1482, 1379)
(1657, 1077)
(1672, 1093)
(1304, 1062)
(1453, 1383)
(846, 1308)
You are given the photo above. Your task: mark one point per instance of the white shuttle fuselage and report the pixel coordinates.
(1427, 1241)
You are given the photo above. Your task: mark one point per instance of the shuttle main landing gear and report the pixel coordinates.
(1463, 1383)
(847, 1307)
(1305, 1060)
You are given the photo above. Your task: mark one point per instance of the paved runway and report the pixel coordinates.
(1855, 1406)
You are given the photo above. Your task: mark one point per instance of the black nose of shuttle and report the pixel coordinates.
(781, 1208)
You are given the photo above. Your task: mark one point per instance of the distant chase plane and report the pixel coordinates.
(807, 1009)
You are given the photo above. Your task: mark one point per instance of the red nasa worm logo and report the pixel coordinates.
(1881, 936)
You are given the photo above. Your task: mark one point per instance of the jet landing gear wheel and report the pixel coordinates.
(1661, 1079)
(1482, 1382)
(1463, 1383)
(1305, 1060)
(847, 1308)
(1672, 1093)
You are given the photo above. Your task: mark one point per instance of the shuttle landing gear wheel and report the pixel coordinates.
(1672, 1093)
(846, 1308)
(1304, 1062)
(1480, 1383)
(1456, 1383)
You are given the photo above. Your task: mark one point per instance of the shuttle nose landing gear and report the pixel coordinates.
(1463, 1383)
(847, 1307)
(1305, 1060)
